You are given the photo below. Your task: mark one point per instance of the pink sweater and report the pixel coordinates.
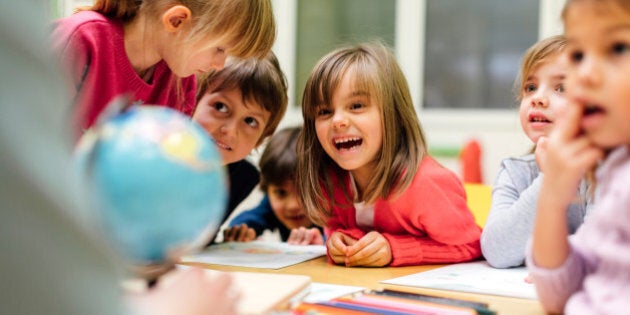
(595, 278)
(91, 48)
(429, 223)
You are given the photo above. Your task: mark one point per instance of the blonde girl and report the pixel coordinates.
(541, 92)
(363, 171)
(152, 50)
(589, 272)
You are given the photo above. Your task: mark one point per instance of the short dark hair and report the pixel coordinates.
(279, 159)
(260, 80)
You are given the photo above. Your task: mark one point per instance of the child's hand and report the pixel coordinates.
(372, 250)
(189, 292)
(566, 156)
(304, 236)
(239, 233)
(337, 244)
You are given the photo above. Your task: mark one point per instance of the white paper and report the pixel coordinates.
(257, 254)
(475, 277)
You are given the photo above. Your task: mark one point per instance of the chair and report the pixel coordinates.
(479, 199)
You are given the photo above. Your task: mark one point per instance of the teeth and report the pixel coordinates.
(339, 141)
(221, 145)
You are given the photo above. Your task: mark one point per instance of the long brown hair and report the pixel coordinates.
(376, 71)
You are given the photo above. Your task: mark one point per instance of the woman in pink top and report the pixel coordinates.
(152, 50)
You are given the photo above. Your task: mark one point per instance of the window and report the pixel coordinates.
(473, 51)
(324, 25)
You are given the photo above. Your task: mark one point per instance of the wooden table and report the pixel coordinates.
(321, 271)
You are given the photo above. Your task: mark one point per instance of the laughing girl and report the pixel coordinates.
(364, 172)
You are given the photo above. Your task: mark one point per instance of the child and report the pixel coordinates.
(511, 219)
(364, 172)
(588, 273)
(53, 255)
(152, 50)
(281, 208)
(240, 106)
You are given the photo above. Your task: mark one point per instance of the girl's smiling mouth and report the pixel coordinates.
(347, 143)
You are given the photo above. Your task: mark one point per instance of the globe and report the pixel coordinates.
(158, 182)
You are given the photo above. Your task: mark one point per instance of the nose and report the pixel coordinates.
(340, 120)
(589, 72)
(540, 99)
(294, 203)
(216, 62)
(227, 128)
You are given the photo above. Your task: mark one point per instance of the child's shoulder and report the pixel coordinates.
(89, 23)
(82, 18)
(432, 171)
(521, 164)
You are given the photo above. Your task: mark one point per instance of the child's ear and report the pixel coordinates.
(176, 17)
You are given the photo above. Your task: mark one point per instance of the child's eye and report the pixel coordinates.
(560, 88)
(280, 193)
(220, 50)
(221, 107)
(322, 111)
(620, 48)
(576, 56)
(356, 106)
(529, 88)
(252, 122)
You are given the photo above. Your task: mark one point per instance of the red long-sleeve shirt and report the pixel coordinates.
(429, 223)
(91, 49)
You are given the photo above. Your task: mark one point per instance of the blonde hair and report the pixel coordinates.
(375, 70)
(534, 56)
(249, 24)
(261, 80)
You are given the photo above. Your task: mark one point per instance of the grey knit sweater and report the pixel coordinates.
(511, 219)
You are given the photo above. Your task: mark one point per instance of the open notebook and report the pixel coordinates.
(475, 277)
(256, 254)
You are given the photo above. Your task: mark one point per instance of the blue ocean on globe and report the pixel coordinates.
(158, 182)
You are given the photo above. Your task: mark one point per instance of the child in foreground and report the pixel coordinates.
(364, 172)
(152, 50)
(54, 254)
(281, 208)
(589, 272)
(241, 106)
(515, 191)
